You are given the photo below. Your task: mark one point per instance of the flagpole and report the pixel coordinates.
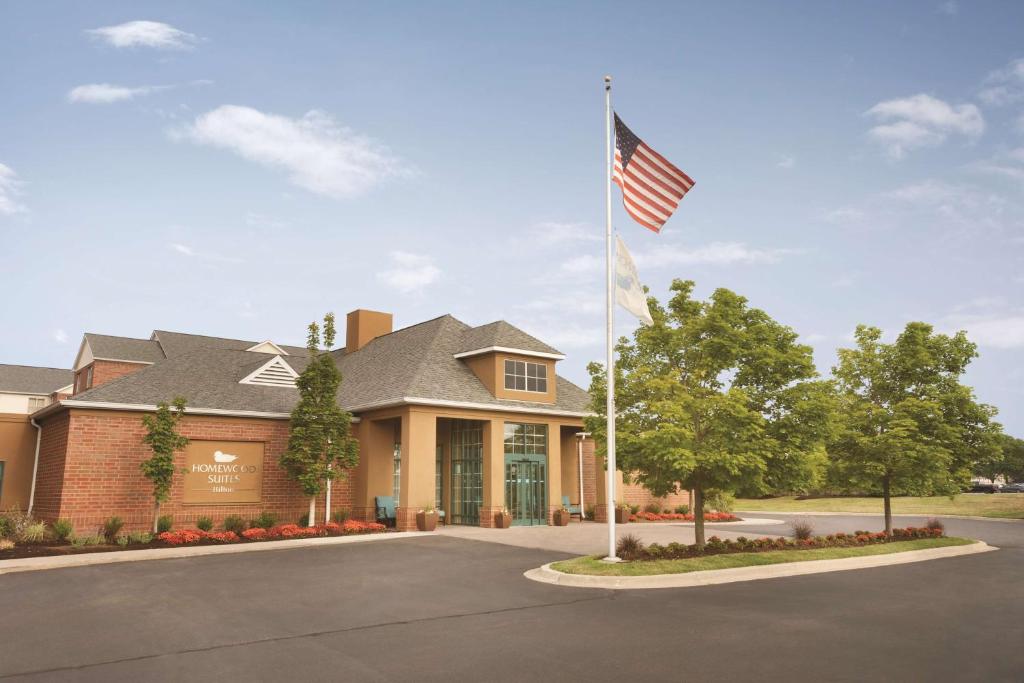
(610, 341)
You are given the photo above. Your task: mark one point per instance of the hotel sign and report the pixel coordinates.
(223, 472)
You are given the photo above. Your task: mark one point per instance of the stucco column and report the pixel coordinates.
(554, 469)
(419, 439)
(372, 477)
(493, 471)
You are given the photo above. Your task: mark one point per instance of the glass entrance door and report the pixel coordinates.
(467, 485)
(524, 490)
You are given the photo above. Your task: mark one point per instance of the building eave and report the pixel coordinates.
(441, 403)
(508, 349)
(144, 408)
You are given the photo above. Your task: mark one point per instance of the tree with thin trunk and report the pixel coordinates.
(163, 439)
(714, 396)
(908, 426)
(321, 447)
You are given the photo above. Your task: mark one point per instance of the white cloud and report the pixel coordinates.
(921, 121)
(814, 338)
(553, 232)
(715, 254)
(1007, 164)
(949, 8)
(582, 264)
(60, 336)
(1005, 85)
(786, 162)
(989, 321)
(410, 272)
(186, 250)
(105, 93)
(318, 154)
(844, 214)
(153, 34)
(10, 189)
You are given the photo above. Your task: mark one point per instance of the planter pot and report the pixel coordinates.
(561, 517)
(426, 521)
(502, 520)
(622, 515)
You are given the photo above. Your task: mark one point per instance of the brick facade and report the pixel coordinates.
(89, 471)
(104, 371)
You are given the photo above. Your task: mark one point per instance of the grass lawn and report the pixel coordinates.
(593, 564)
(1006, 505)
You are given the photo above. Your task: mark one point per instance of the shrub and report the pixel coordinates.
(629, 547)
(264, 520)
(140, 537)
(33, 533)
(653, 508)
(95, 539)
(682, 509)
(934, 524)
(164, 524)
(15, 521)
(63, 530)
(204, 524)
(112, 527)
(591, 511)
(6, 526)
(255, 534)
(803, 529)
(340, 516)
(304, 519)
(234, 523)
(633, 509)
(122, 541)
(6, 544)
(722, 501)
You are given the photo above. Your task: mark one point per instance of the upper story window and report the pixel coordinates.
(523, 376)
(35, 403)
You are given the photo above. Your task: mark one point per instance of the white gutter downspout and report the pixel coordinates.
(35, 464)
(580, 437)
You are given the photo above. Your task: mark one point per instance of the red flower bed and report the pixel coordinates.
(675, 516)
(277, 533)
(717, 546)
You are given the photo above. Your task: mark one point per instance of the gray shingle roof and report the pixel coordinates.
(414, 362)
(26, 379)
(500, 333)
(179, 343)
(123, 348)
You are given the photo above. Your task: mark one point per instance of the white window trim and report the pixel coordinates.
(526, 376)
(506, 349)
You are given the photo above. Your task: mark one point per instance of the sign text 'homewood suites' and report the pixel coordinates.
(223, 472)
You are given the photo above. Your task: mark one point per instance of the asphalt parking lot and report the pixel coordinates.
(446, 608)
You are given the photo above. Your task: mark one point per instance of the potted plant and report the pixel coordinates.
(426, 519)
(622, 514)
(502, 520)
(561, 517)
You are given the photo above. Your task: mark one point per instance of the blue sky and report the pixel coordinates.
(238, 169)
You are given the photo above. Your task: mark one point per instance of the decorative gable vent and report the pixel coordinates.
(273, 373)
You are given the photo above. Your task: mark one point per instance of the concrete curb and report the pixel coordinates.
(29, 564)
(879, 514)
(546, 574)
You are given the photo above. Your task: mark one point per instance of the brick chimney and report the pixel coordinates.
(363, 326)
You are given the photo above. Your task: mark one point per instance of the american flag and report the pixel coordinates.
(651, 185)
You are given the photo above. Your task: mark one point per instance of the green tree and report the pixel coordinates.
(908, 424)
(163, 439)
(321, 447)
(1013, 458)
(714, 395)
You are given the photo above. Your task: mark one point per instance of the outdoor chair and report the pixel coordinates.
(573, 509)
(385, 509)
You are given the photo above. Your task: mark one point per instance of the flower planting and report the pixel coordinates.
(718, 546)
(681, 517)
(280, 532)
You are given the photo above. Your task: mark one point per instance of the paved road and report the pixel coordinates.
(452, 609)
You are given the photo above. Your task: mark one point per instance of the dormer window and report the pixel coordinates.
(524, 376)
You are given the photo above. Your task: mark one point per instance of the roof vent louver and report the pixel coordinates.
(274, 373)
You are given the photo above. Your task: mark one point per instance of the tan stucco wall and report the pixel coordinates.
(17, 451)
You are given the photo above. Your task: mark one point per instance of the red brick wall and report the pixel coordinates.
(636, 494)
(104, 371)
(102, 477)
(50, 476)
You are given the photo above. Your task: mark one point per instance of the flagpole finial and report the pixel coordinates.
(607, 82)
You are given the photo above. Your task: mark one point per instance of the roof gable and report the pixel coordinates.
(274, 373)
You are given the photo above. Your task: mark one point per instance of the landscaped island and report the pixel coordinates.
(1000, 505)
(678, 558)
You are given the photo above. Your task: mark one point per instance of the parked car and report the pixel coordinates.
(984, 488)
(1013, 488)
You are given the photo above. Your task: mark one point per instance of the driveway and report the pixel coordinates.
(451, 609)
